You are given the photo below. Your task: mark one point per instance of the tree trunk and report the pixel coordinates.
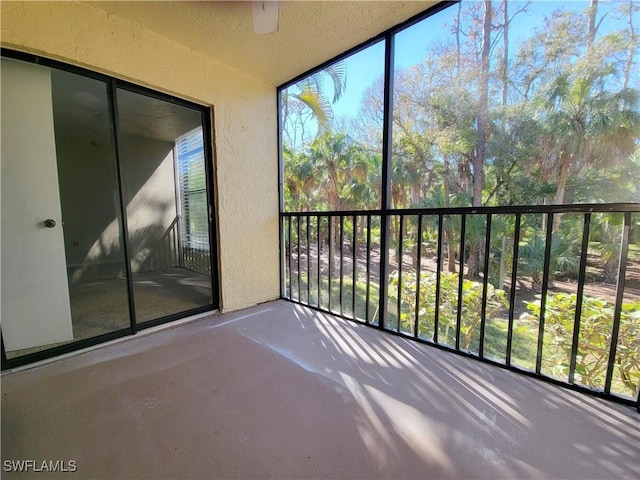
(451, 251)
(565, 163)
(591, 34)
(505, 54)
(502, 255)
(630, 52)
(473, 262)
(448, 233)
(458, 38)
(334, 203)
(483, 108)
(482, 134)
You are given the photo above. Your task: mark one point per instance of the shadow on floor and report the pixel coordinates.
(281, 391)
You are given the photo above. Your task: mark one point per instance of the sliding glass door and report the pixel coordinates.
(165, 190)
(62, 256)
(106, 208)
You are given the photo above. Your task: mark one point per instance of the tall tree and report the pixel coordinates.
(630, 10)
(586, 125)
(483, 107)
(482, 132)
(593, 28)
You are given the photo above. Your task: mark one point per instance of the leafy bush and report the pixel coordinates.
(595, 327)
(594, 340)
(564, 259)
(471, 305)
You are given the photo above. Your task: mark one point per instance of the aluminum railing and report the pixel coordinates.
(550, 291)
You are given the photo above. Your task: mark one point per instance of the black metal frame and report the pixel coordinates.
(385, 212)
(517, 211)
(113, 84)
(124, 228)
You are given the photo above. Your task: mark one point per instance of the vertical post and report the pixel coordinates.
(282, 255)
(298, 217)
(416, 320)
(387, 133)
(512, 289)
(212, 266)
(367, 299)
(463, 228)
(124, 228)
(330, 239)
(340, 296)
(289, 256)
(354, 263)
(281, 194)
(308, 246)
(545, 288)
(436, 318)
(5, 361)
(318, 255)
(622, 271)
(485, 283)
(579, 295)
(400, 254)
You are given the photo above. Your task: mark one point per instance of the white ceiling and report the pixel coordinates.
(310, 32)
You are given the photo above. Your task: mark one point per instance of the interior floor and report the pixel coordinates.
(101, 306)
(283, 391)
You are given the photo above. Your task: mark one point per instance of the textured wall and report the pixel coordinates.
(244, 123)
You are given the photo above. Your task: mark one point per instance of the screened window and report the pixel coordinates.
(332, 135)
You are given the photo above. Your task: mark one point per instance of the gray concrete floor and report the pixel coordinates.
(280, 391)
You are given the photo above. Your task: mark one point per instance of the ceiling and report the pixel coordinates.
(310, 32)
(81, 107)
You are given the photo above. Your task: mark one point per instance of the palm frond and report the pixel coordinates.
(317, 103)
(338, 74)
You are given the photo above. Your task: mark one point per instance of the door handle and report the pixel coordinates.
(49, 223)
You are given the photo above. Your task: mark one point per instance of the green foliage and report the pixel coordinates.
(310, 98)
(562, 126)
(333, 173)
(563, 260)
(562, 120)
(594, 341)
(447, 321)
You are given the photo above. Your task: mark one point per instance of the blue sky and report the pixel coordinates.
(411, 45)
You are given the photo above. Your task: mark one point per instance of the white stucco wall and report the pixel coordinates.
(245, 145)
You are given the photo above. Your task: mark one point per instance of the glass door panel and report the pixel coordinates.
(63, 275)
(165, 190)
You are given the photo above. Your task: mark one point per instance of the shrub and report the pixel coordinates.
(471, 304)
(596, 325)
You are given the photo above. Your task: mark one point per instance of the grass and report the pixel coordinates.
(634, 251)
(311, 297)
(523, 347)
(524, 335)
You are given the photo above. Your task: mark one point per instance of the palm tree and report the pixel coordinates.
(331, 156)
(310, 95)
(585, 125)
(299, 181)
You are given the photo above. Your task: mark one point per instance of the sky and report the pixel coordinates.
(412, 43)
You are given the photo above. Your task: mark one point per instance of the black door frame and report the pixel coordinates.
(113, 84)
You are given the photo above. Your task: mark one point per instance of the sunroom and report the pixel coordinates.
(462, 177)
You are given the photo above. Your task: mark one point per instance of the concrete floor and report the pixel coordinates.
(101, 306)
(280, 391)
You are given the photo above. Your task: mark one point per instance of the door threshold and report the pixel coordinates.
(141, 333)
